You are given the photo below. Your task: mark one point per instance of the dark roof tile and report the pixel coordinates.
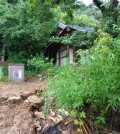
(82, 29)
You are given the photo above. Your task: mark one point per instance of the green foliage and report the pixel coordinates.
(66, 8)
(93, 83)
(77, 38)
(63, 79)
(3, 78)
(110, 12)
(4, 73)
(23, 31)
(39, 64)
(89, 16)
(84, 20)
(17, 57)
(30, 73)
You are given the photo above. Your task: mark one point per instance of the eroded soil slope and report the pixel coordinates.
(15, 118)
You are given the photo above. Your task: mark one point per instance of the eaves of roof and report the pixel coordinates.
(77, 28)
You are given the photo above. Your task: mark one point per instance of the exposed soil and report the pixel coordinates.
(16, 118)
(15, 89)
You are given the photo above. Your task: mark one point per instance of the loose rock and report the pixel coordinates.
(36, 100)
(63, 112)
(56, 119)
(39, 115)
(3, 98)
(13, 99)
(52, 112)
(36, 125)
(26, 94)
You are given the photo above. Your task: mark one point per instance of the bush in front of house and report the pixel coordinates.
(91, 88)
(39, 64)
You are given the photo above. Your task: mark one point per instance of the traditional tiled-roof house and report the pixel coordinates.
(59, 52)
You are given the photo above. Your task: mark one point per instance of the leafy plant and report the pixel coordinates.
(77, 38)
(93, 84)
(3, 73)
(39, 64)
(23, 31)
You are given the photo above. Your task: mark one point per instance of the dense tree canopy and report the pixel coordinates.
(111, 15)
(26, 25)
(23, 30)
(110, 11)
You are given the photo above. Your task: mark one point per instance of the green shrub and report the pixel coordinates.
(17, 57)
(4, 73)
(93, 83)
(30, 74)
(40, 65)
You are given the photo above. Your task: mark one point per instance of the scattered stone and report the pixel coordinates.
(36, 100)
(35, 103)
(13, 99)
(52, 112)
(63, 112)
(36, 125)
(39, 115)
(3, 98)
(25, 95)
(56, 119)
(34, 107)
(26, 102)
(39, 129)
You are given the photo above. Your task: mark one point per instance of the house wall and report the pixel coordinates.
(71, 57)
(63, 53)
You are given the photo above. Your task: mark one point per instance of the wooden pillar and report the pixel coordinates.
(74, 54)
(71, 55)
(59, 55)
(67, 52)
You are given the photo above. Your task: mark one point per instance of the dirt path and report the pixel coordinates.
(16, 118)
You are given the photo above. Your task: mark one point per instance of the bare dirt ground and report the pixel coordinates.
(15, 89)
(16, 118)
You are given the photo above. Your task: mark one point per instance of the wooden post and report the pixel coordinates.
(74, 54)
(67, 52)
(59, 55)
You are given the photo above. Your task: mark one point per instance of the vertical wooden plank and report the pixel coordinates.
(71, 55)
(74, 55)
(67, 52)
(59, 55)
